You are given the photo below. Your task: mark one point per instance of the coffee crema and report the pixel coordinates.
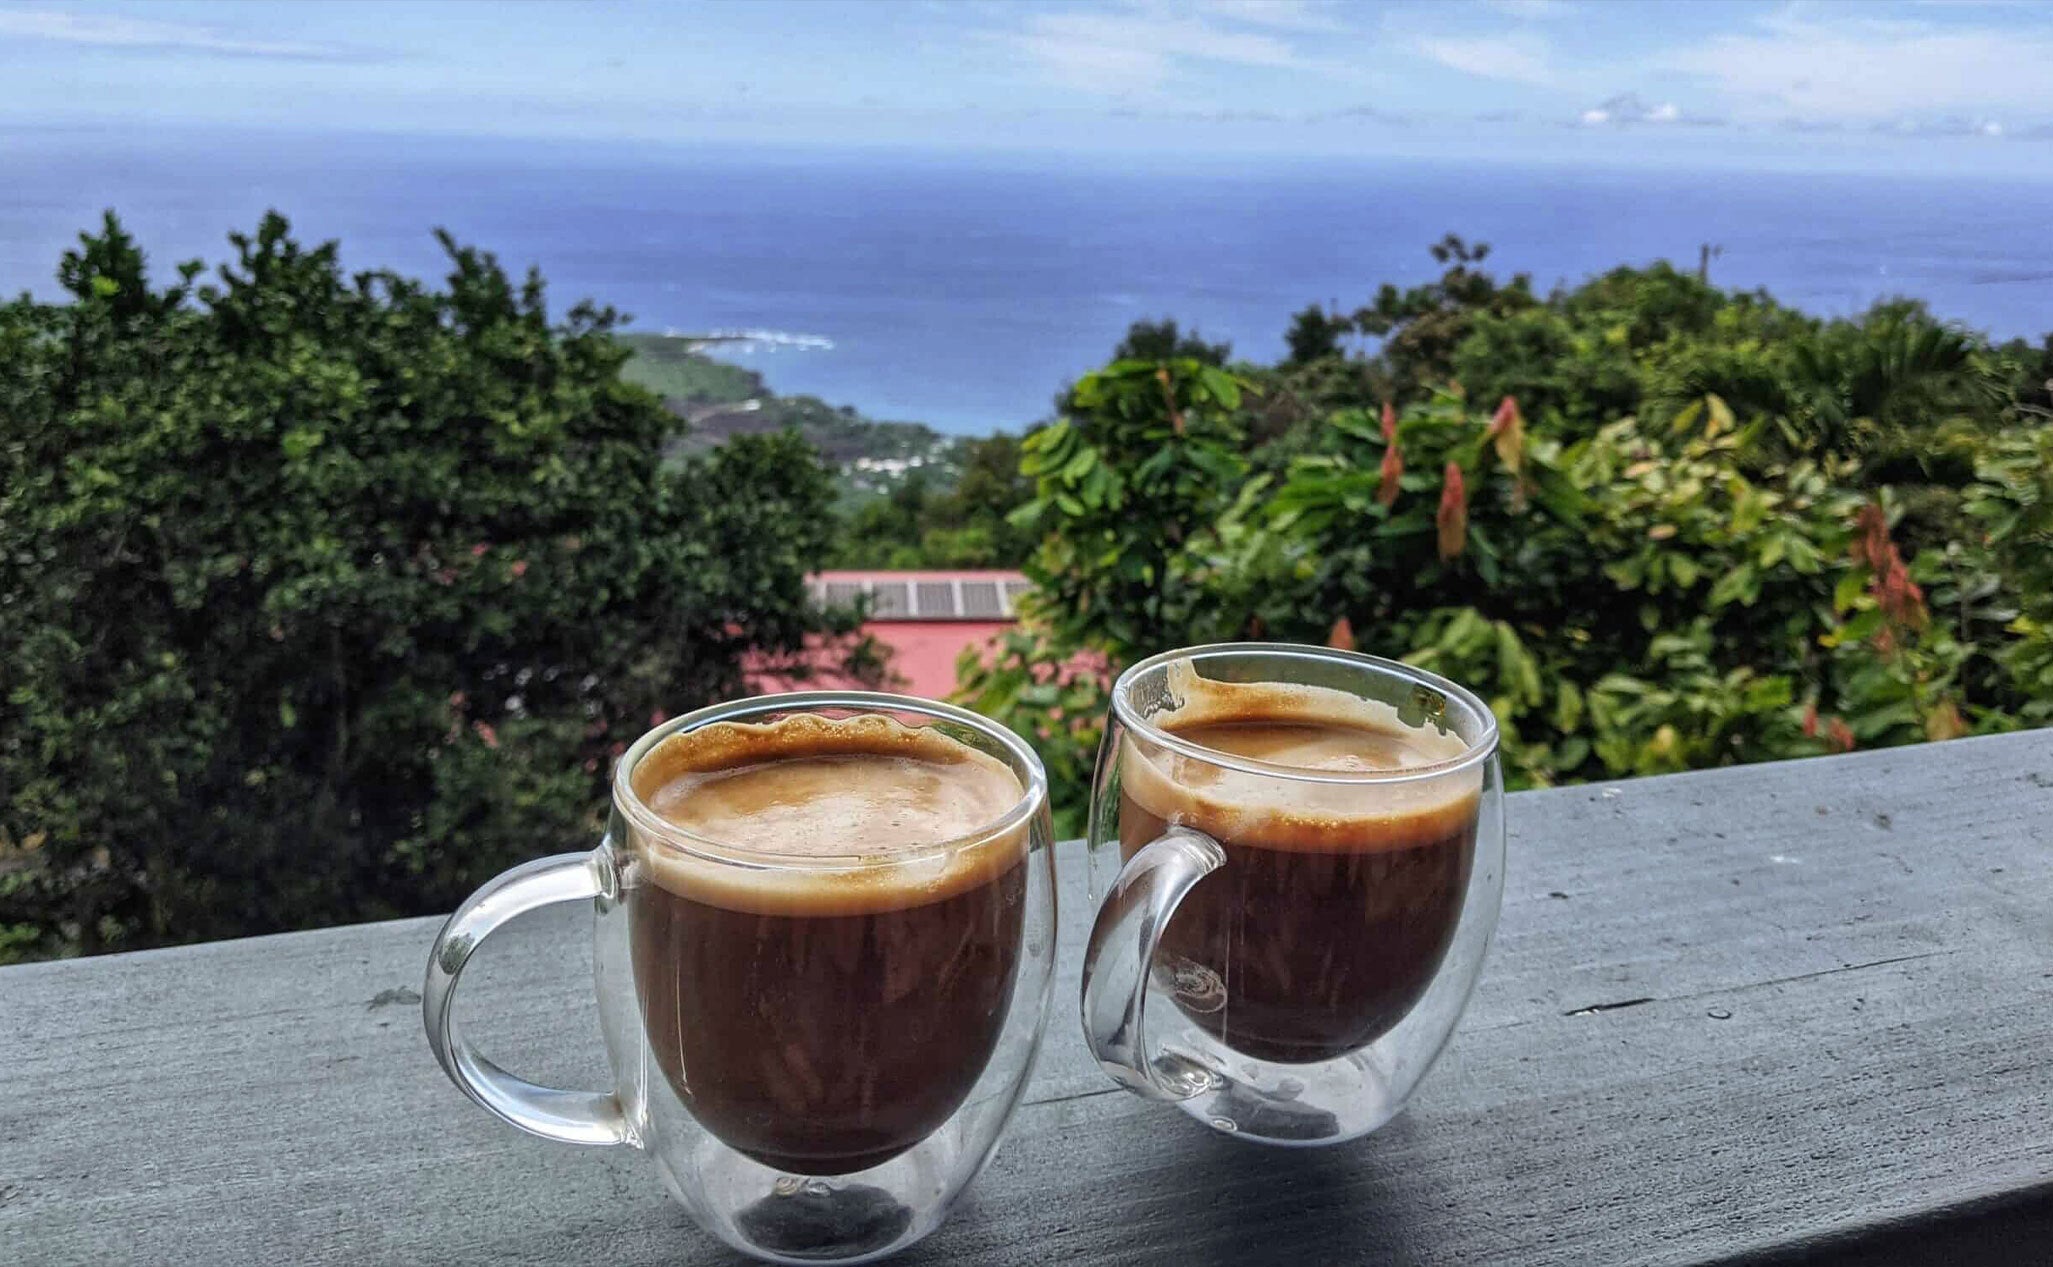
(824, 1002)
(1340, 892)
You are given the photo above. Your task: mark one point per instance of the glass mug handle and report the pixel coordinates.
(574, 1117)
(1122, 948)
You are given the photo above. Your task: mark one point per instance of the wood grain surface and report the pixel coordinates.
(1788, 1013)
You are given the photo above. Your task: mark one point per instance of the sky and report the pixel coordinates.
(1904, 85)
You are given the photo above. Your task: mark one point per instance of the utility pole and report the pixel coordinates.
(1705, 254)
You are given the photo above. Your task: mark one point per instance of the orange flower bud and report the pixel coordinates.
(1871, 535)
(1945, 722)
(1842, 735)
(1389, 422)
(1342, 635)
(1393, 470)
(1811, 720)
(1507, 432)
(1452, 520)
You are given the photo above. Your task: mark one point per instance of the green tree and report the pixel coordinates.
(1163, 341)
(922, 522)
(1314, 335)
(1148, 458)
(325, 597)
(1422, 325)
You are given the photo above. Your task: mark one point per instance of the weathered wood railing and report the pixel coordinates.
(1797, 1011)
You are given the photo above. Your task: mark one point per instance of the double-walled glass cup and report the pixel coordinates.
(1282, 951)
(818, 1052)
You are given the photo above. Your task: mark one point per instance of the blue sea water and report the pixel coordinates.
(964, 291)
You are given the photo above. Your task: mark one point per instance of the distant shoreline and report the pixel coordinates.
(964, 294)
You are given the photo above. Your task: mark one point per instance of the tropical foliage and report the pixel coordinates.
(324, 597)
(1658, 526)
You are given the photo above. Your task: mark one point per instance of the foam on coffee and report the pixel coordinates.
(1295, 727)
(834, 801)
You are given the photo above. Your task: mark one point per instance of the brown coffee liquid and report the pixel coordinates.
(818, 1018)
(1336, 902)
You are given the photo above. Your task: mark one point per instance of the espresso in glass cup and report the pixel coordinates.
(825, 930)
(1298, 859)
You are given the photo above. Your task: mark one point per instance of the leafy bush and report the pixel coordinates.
(921, 524)
(1684, 528)
(326, 597)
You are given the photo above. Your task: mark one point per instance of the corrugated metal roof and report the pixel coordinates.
(968, 595)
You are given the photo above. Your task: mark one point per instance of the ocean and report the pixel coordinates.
(964, 291)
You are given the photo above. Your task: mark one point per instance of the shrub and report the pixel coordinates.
(325, 597)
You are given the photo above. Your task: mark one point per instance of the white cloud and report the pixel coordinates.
(1531, 10)
(1280, 15)
(112, 31)
(1516, 60)
(1948, 125)
(1627, 109)
(1870, 70)
(1119, 53)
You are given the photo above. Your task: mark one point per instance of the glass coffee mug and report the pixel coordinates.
(817, 1039)
(1297, 856)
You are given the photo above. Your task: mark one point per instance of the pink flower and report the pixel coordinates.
(484, 732)
(520, 568)
(478, 551)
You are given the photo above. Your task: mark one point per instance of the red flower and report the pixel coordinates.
(1393, 470)
(1900, 598)
(1342, 635)
(1453, 517)
(1871, 535)
(1811, 720)
(1842, 735)
(658, 717)
(1389, 422)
